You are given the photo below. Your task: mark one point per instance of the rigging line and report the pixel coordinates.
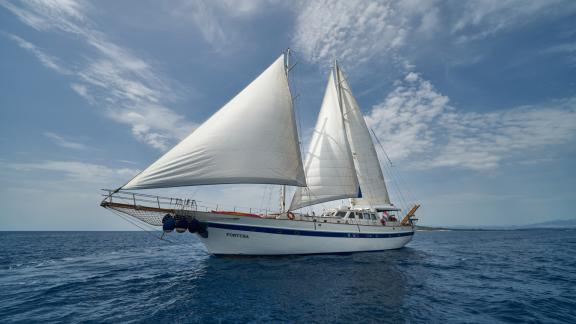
(402, 183)
(195, 191)
(398, 187)
(408, 191)
(392, 181)
(263, 196)
(396, 184)
(296, 103)
(391, 166)
(382, 147)
(140, 227)
(398, 178)
(118, 213)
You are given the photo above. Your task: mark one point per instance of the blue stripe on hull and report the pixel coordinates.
(284, 231)
(223, 255)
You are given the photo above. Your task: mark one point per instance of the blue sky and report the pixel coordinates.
(474, 101)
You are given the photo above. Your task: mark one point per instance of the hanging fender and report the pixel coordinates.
(383, 221)
(290, 215)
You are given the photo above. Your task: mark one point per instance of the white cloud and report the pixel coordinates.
(362, 31)
(212, 18)
(165, 124)
(416, 123)
(480, 19)
(79, 171)
(47, 14)
(202, 13)
(61, 141)
(352, 31)
(46, 60)
(404, 120)
(110, 75)
(568, 49)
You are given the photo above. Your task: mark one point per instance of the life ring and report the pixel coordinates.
(383, 221)
(290, 215)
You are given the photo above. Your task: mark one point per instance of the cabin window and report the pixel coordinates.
(366, 216)
(352, 215)
(340, 214)
(373, 216)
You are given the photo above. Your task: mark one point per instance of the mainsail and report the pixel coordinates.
(341, 161)
(368, 170)
(329, 168)
(252, 139)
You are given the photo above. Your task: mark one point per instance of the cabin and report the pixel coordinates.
(364, 216)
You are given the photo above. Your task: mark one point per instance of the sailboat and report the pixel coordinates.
(253, 139)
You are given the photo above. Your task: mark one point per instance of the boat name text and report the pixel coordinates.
(237, 235)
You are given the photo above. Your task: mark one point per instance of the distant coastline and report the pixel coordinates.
(555, 224)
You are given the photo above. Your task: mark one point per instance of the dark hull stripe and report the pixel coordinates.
(240, 255)
(284, 231)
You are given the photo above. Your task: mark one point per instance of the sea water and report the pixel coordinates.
(452, 276)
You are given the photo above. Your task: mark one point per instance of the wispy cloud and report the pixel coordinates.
(357, 32)
(109, 75)
(567, 49)
(46, 60)
(352, 31)
(212, 18)
(76, 171)
(405, 119)
(64, 142)
(480, 19)
(417, 122)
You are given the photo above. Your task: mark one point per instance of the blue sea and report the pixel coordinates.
(452, 276)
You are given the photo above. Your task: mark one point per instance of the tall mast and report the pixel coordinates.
(339, 90)
(337, 78)
(283, 190)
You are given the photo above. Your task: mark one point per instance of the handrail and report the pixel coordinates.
(147, 200)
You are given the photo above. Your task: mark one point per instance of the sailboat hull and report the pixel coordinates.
(255, 236)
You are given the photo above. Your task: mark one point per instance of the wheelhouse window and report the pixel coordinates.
(366, 216)
(352, 215)
(340, 214)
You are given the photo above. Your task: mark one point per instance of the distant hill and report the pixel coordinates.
(431, 228)
(559, 223)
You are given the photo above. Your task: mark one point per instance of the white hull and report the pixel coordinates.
(232, 235)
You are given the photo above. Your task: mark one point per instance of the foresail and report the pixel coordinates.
(368, 170)
(252, 139)
(329, 168)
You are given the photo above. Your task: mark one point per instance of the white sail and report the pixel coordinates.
(368, 170)
(329, 168)
(252, 139)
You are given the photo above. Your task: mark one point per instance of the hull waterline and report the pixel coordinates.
(246, 236)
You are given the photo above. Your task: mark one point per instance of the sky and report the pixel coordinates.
(474, 102)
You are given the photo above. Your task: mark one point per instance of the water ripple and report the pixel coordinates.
(480, 277)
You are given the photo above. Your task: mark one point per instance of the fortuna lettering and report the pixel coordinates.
(237, 235)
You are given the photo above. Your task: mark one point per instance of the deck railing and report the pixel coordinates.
(151, 201)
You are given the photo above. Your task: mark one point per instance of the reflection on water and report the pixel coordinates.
(447, 276)
(371, 286)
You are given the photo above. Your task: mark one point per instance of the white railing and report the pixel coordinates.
(145, 200)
